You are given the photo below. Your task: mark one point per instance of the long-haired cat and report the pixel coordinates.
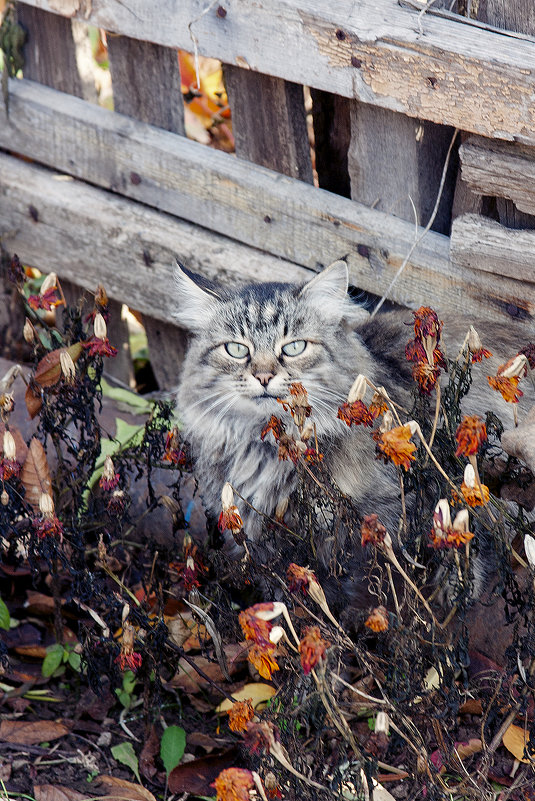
(248, 345)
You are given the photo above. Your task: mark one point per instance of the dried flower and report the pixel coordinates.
(109, 478)
(255, 628)
(514, 368)
(425, 375)
(47, 525)
(459, 533)
(47, 298)
(475, 346)
(426, 324)
(99, 347)
(234, 784)
(379, 406)
(240, 713)
(378, 619)
(372, 530)
(67, 366)
(358, 389)
(312, 648)
(128, 659)
(28, 332)
(396, 445)
(356, 413)
(471, 492)
(424, 350)
(445, 534)
(261, 657)
(274, 425)
(299, 577)
(117, 502)
(230, 517)
(173, 451)
(261, 736)
(470, 435)
(508, 387)
(296, 403)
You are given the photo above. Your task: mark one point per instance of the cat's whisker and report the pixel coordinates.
(221, 399)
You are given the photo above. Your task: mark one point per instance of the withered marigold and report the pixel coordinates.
(356, 413)
(426, 376)
(473, 496)
(378, 405)
(99, 347)
(378, 619)
(396, 445)
(261, 657)
(470, 435)
(508, 387)
(47, 300)
(299, 577)
(234, 784)
(297, 403)
(275, 425)
(372, 530)
(426, 323)
(479, 355)
(239, 714)
(254, 628)
(261, 736)
(312, 648)
(230, 520)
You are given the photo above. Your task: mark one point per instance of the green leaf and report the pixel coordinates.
(53, 659)
(172, 747)
(125, 754)
(75, 661)
(126, 397)
(5, 618)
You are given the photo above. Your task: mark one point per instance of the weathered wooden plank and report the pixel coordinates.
(269, 122)
(500, 169)
(489, 251)
(88, 235)
(444, 70)
(395, 164)
(286, 217)
(146, 85)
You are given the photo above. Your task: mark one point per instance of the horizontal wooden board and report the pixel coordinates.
(253, 205)
(88, 235)
(498, 258)
(445, 70)
(500, 169)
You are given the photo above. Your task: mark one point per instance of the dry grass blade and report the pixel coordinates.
(35, 475)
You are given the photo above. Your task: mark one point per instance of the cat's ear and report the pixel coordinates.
(196, 299)
(328, 287)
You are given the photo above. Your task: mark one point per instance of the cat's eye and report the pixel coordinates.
(294, 348)
(236, 350)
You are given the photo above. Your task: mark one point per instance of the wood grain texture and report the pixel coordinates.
(269, 122)
(88, 235)
(500, 169)
(146, 85)
(250, 204)
(395, 164)
(443, 70)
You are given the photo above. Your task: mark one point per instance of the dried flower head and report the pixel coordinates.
(174, 453)
(508, 387)
(230, 519)
(378, 619)
(109, 478)
(28, 332)
(355, 413)
(396, 445)
(48, 297)
(445, 534)
(299, 577)
(240, 713)
(67, 366)
(475, 346)
(47, 525)
(379, 406)
(372, 530)
(358, 389)
(470, 435)
(471, 493)
(234, 784)
(261, 657)
(128, 659)
(312, 648)
(297, 404)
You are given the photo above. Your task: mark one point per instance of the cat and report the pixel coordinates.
(249, 344)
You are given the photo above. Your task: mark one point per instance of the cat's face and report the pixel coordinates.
(250, 345)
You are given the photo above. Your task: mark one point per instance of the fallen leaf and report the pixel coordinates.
(121, 789)
(38, 603)
(196, 777)
(149, 751)
(56, 792)
(48, 371)
(473, 746)
(35, 475)
(190, 681)
(471, 707)
(31, 732)
(201, 740)
(515, 740)
(33, 401)
(186, 632)
(258, 692)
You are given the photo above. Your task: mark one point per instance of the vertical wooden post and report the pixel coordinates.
(57, 54)
(269, 121)
(146, 85)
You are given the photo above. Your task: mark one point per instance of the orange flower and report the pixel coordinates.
(425, 376)
(240, 713)
(396, 445)
(234, 784)
(312, 648)
(254, 628)
(128, 658)
(275, 425)
(261, 657)
(457, 537)
(47, 300)
(426, 323)
(230, 519)
(356, 413)
(372, 530)
(479, 355)
(507, 386)
(470, 435)
(378, 619)
(378, 406)
(445, 534)
(471, 493)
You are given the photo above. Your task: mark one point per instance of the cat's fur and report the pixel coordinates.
(223, 406)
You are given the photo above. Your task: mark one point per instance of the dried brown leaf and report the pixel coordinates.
(31, 732)
(35, 474)
(56, 792)
(121, 789)
(197, 776)
(33, 401)
(48, 371)
(473, 746)
(150, 750)
(190, 681)
(515, 740)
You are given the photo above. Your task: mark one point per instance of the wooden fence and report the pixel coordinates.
(113, 197)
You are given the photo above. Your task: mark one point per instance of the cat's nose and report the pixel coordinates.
(264, 378)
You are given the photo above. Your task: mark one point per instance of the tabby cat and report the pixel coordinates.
(249, 344)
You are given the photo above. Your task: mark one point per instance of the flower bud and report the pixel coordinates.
(227, 497)
(50, 282)
(442, 516)
(469, 476)
(28, 332)
(9, 447)
(462, 521)
(67, 366)
(281, 509)
(358, 389)
(99, 326)
(46, 505)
